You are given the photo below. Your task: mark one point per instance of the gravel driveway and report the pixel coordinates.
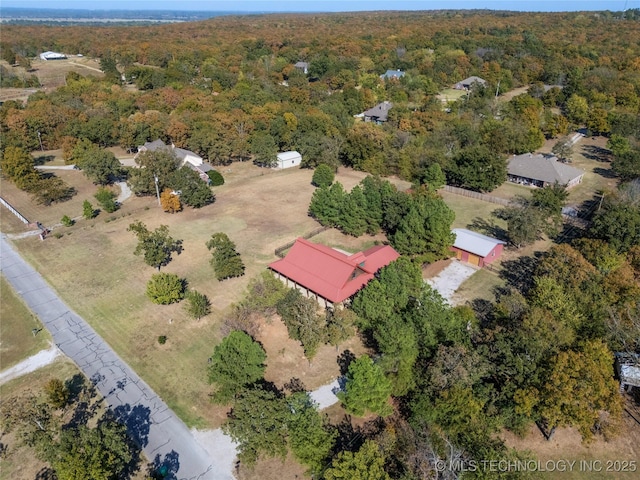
(450, 279)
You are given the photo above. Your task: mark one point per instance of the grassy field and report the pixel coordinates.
(47, 215)
(450, 95)
(481, 285)
(471, 212)
(17, 341)
(93, 268)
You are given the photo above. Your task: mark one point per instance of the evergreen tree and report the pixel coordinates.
(236, 364)
(367, 389)
(365, 464)
(225, 259)
(258, 423)
(311, 438)
(323, 175)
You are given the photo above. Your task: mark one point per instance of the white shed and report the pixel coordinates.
(52, 56)
(288, 160)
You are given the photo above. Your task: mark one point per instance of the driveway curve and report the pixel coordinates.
(164, 438)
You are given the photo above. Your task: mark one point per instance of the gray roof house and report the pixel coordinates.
(186, 157)
(539, 170)
(467, 83)
(379, 113)
(304, 66)
(390, 74)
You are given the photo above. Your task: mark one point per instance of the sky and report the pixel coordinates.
(327, 5)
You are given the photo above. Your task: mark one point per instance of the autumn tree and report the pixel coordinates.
(57, 393)
(170, 201)
(157, 246)
(577, 388)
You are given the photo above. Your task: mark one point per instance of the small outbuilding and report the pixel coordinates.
(288, 160)
(475, 248)
(628, 369)
(392, 75)
(52, 56)
(302, 66)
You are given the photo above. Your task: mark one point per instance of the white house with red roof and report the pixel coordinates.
(329, 275)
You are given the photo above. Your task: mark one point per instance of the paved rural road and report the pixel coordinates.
(165, 439)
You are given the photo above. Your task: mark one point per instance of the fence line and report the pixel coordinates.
(14, 211)
(281, 249)
(477, 195)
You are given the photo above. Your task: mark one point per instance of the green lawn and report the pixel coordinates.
(474, 214)
(480, 285)
(16, 336)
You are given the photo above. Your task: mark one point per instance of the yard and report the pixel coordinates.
(93, 267)
(17, 339)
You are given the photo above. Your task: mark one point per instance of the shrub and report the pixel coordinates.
(57, 393)
(165, 288)
(323, 175)
(216, 178)
(197, 305)
(162, 339)
(87, 210)
(107, 199)
(66, 221)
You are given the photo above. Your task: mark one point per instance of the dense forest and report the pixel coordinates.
(228, 90)
(443, 381)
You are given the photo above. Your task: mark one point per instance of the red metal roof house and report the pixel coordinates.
(328, 274)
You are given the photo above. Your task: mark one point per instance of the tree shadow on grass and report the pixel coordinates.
(42, 159)
(605, 172)
(519, 273)
(489, 227)
(599, 154)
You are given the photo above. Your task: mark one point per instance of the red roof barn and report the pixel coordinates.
(475, 248)
(328, 274)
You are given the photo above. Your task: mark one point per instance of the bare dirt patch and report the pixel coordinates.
(286, 359)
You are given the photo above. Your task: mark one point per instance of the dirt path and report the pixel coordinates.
(31, 364)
